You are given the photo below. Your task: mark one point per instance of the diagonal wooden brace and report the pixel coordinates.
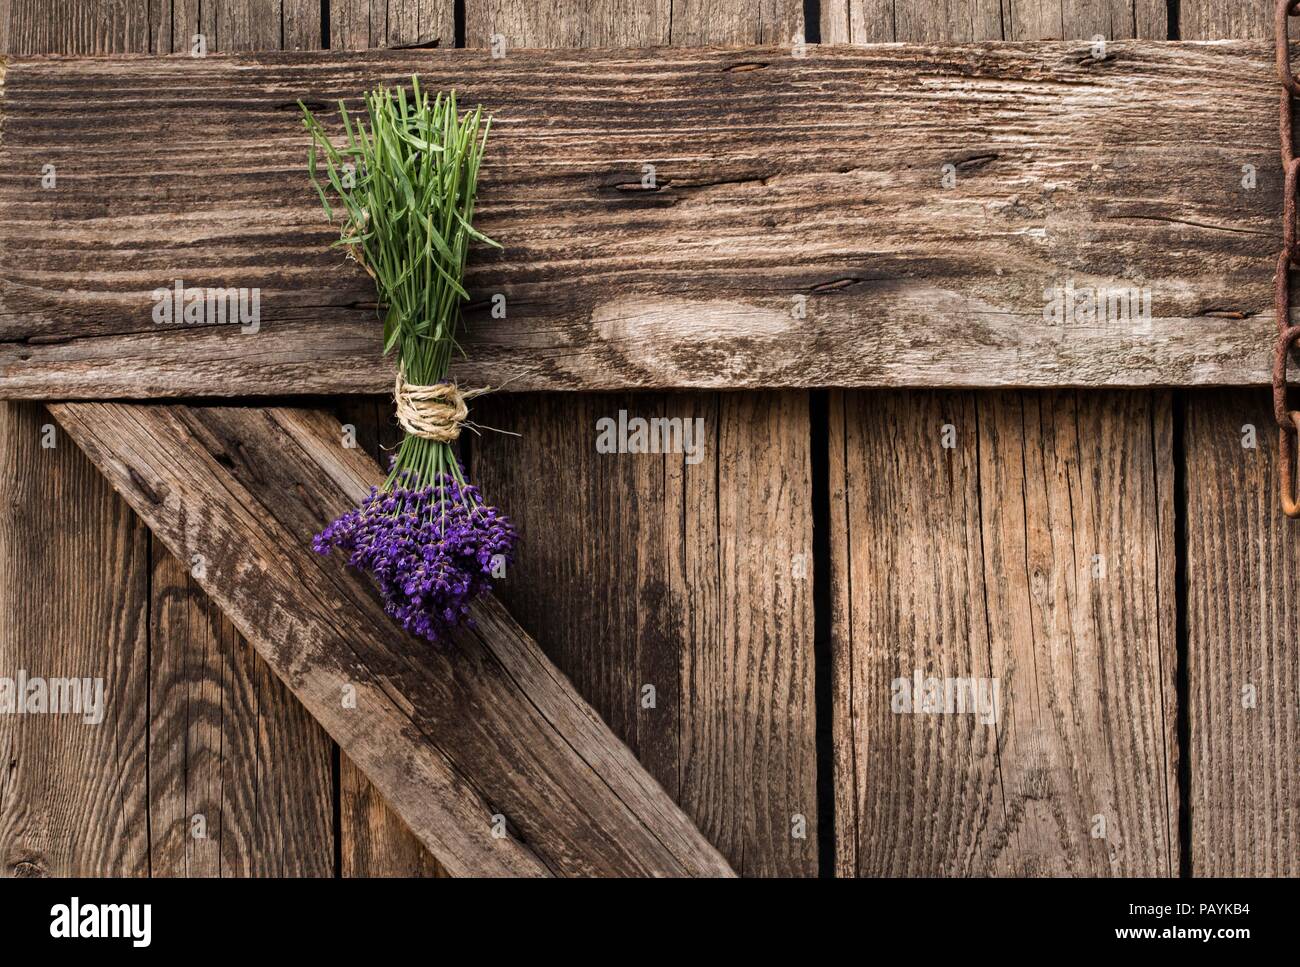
(485, 750)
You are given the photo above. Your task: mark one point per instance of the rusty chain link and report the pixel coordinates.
(1288, 420)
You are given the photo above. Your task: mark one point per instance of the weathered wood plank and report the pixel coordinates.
(1243, 622)
(73, 595)
(234, 25)
(883, 21)
(300, 26)
(1243, 755)
(1120, 172)
(1025, 555)
(451, 738)
(568, 23)
(1226, 19)
(73, 589)
(240, 777)
(73, 26)
(374, 840)
(702, 564)
(426, 23)
(173, 25)
(698, 22)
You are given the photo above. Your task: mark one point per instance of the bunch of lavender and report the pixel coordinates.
(406, 179)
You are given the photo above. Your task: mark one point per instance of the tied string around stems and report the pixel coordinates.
(437, 412)
(434, 412)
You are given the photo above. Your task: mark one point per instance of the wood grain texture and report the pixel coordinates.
(703, 573)
(631, 23)
(359, 24)
(233, 25)
(1000, 555)
(1243, 622)
(74, 26)
(883, 21)
(1226, 20)
(451, 737)
(240, 777)
(1241, 574)
(374, 840)
(691, 561)
(73, 599)
(736, 22)
(569, 23)
(1028, 554)
(73, 589)
(1068, 170)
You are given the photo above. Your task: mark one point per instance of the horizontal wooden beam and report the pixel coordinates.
(484, 749)
(859, 216)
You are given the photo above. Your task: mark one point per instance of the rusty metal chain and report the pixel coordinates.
(1288, 420)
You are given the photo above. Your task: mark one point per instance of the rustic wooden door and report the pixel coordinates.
(1112, 559)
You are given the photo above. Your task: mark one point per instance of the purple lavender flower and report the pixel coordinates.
(432, 549)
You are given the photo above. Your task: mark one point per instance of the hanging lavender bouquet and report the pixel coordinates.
(405, 182)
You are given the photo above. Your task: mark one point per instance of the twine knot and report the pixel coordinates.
(434, 412)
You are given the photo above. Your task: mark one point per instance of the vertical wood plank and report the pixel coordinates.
(569, 23)
(240, 774)
(913, 793)
(350, 23)
(1242, 568)
(701, 22)
(71, 27)
(1038, 19)
(756, 691)
(415, 23)
(1025, 554)
(691, 578)
(1243, 623)
(882, 21)
(375, 842)
(644, 570)
(1225, 20)
(233, 755)
(977, 561)
(964, 20)
(300, 25)
(1083, 19)
(235, 25)
(73, 586)
(173, 24)
(73, 599)
(857, 21)
(1082, 622)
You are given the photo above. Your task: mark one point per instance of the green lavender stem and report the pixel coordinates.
(406, 180)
